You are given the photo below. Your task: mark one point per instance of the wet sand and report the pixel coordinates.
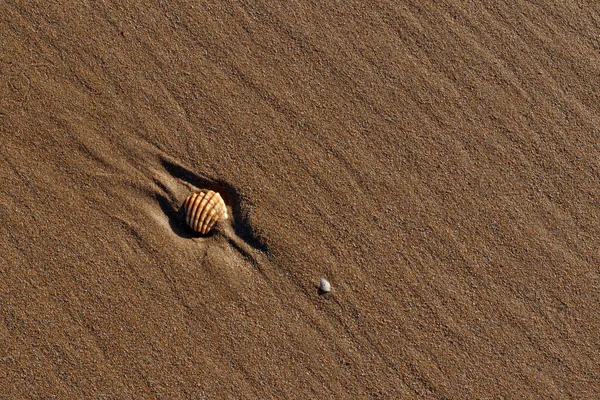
(437, 163)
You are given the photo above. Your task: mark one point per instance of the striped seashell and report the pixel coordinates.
(203, 210)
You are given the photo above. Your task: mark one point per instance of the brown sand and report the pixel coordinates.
(438, 163)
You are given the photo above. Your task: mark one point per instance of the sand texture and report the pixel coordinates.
(437, 162)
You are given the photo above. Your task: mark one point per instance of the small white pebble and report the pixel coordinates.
(324, 286)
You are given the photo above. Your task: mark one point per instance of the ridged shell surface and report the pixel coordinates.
(203, 210)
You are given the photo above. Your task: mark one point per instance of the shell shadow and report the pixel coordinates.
(177, 219)
(230, 195)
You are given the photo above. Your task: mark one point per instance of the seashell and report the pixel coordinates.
(203, 210)
(324, 286)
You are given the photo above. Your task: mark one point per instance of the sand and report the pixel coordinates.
(437, 162)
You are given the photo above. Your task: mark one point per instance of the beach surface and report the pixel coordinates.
(437, 162)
